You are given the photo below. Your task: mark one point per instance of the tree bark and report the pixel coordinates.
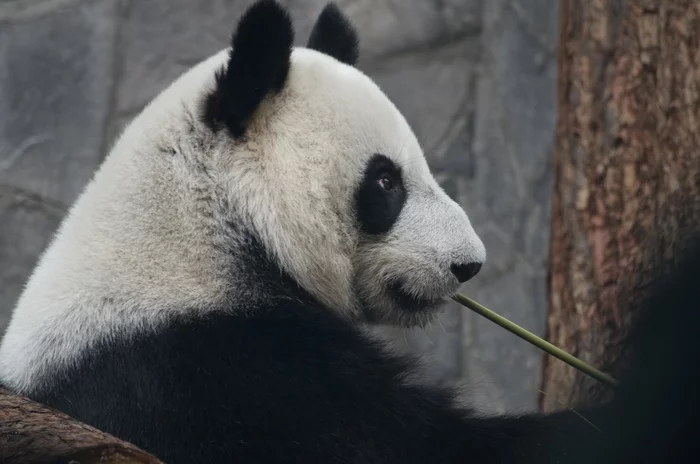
(626, 170)
(31, 434)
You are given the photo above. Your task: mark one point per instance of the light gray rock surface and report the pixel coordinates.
(475, 78)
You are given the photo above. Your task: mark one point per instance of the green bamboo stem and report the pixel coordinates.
(535, 340)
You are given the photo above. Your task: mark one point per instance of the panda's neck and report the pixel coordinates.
(131, 255)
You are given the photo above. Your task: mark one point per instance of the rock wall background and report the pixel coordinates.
(475, 78)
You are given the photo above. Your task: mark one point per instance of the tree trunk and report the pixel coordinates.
(31, 434)
(626, 170)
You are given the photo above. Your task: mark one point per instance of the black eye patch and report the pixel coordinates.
(380, 196)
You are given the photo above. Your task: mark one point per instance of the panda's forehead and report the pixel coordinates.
(358, 111)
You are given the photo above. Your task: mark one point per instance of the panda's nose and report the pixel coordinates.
(464, 272)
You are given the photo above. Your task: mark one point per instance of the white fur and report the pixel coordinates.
(145, 238)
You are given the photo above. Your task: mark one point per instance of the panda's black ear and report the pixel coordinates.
(258, 66)
(335, 36)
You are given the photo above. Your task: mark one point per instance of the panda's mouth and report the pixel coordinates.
(411, 302)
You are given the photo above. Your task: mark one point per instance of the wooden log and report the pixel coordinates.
(31, 433)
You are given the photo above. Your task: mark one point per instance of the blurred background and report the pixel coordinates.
(475, 79)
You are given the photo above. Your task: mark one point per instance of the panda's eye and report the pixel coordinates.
(380, 196)
(386, 183)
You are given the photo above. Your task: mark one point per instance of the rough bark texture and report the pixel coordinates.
(626, 169)
(31, 434)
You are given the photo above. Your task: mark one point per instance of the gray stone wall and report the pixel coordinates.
(475, 78)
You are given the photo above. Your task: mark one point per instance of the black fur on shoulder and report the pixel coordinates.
(258, 66)
(290, 383)
(335, 36)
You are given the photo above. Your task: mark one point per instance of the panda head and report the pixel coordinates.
(264, 168)
(331, 176)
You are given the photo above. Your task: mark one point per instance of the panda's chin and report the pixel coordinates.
(402, 309)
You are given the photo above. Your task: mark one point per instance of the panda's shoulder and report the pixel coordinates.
(293, 364)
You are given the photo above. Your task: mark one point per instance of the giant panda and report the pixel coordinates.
(207, 296)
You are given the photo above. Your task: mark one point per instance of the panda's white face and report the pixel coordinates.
(353, 212)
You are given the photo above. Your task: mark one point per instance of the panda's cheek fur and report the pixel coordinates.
(382, 266)
(386, 264)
